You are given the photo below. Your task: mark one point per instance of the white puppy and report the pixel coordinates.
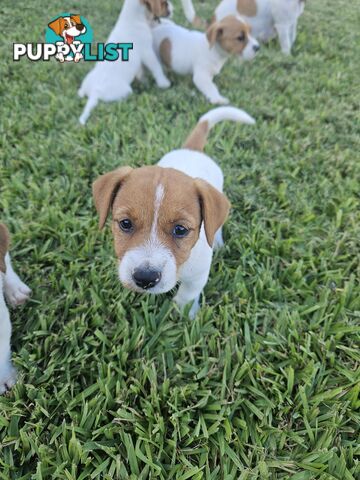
(110, 81)
(266, 17)
(16, 293)
(166, 219)
(189, 52)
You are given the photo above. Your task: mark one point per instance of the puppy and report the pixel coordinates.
(16, 293)
(69, 28)
(110, 81)
(203, 55)
(267, 18)
(167, 219)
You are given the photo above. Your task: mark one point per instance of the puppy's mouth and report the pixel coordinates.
(69, 39)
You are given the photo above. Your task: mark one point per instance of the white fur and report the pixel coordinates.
(273, 17)
(191, 54)
(194, 273)
(110, 81)
(16, 293)
(189, 10)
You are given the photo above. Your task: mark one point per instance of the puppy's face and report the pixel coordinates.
(158, 8)
(233, 35)
(68, 27)
(156, 218)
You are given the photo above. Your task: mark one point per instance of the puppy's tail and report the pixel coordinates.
(190, 14)
(198, 137)
(90, 105)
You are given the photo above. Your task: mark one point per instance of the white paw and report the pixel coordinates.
(16, 291)
(194, 309)
(7, 377)
(220, 100)
(163, 83)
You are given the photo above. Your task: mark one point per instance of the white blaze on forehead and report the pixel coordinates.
(159, 195)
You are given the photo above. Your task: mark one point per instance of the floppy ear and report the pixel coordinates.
(76, 18)
(4, 246)
(57, 25)
(105, 189)
(214, 208)
(213, 33)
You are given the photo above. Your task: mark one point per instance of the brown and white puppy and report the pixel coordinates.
(166, 219)
(267, 18)
(16, 293)
(110, 81)
(190, 52)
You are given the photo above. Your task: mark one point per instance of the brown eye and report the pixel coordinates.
(126, 225)
(180, 231)
(66, 25)
(73, 24)
(241, 37)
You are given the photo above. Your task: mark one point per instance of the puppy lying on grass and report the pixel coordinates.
(167, 219)
(189, 52)
(110, 81)
(16, 293)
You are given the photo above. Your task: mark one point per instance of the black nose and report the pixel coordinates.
(256, 48)
(79, 26)
(146, 278)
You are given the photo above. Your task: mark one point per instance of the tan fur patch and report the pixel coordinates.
(158, 8)
(4, 246)
(231, 33)
(247, 7)
(197, 138)
(165, 52)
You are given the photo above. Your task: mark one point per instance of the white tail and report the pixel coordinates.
(198, 137)
(189, 10)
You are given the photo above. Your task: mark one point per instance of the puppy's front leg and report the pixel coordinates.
(190, 291)
(7, 371)
(152, 63)
(284, 34)
(15, 290)
(204, 82)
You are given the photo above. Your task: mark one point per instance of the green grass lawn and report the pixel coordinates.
(264, 383)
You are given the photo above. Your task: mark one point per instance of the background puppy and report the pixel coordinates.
(110, 81)
(203, 55)
(16, 293)
(166, 219)
(266, 17)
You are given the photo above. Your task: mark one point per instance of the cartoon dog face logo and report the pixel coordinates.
(69, 28)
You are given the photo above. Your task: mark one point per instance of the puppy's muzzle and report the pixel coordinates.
(146, 278)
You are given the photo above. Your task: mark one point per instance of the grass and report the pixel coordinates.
(264, 383)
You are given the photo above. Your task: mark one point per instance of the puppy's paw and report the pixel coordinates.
(7, 377)
(163, 83)
(220, 100)
(16, 292)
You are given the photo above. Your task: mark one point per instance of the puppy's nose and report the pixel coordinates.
(256, 47)
(79, 26)
(146, 278)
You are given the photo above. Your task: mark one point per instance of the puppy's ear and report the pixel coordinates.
(76, 19)
(57, 25)
(213, 33)
(4, 246)
(214, 208)
(105, 189)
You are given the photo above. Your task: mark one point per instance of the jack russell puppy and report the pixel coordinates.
(16, 293)
(267, 18)
(167, 219)
(190, 52)
(110, 81)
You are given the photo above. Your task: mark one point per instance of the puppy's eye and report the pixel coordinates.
(66, 25)
(241, 37)
(180, 231)
(126, 225)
